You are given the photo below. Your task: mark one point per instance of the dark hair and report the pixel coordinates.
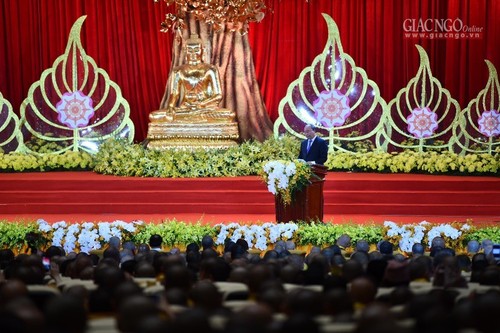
(155, 240)
(207, 242)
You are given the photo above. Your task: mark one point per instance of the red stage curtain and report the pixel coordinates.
(124, 39)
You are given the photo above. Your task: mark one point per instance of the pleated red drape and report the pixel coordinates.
(123, 38)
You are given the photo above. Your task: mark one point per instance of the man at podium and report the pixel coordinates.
(313, 148)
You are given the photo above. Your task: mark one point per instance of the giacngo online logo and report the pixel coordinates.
(440, 29)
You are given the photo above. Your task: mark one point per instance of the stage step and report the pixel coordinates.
(344, 193)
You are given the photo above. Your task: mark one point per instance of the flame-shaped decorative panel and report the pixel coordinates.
(10, 137)
(75, 104)
(334, 95)
(480, 121)
(423, 114)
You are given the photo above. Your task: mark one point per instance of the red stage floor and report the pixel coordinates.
(349, 198)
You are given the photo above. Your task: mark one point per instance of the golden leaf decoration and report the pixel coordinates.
(423, 91)
(334, 79)
(10, 137)
(75, 74)
(476, 137)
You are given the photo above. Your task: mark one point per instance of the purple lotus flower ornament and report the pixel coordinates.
(489, 123)
(422, 122)
(75, 109)
(331, 108)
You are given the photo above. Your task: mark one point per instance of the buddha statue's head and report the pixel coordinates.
(194, 49)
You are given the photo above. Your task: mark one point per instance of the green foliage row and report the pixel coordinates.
(118, 157)
(180, 234)
(409, 161)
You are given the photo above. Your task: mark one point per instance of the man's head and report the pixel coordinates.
(309, 131)
(155, 241)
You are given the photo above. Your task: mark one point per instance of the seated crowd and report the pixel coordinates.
(142, 288)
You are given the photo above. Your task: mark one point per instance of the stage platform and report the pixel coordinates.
(349, 197)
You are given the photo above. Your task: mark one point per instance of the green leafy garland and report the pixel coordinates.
(117, 157)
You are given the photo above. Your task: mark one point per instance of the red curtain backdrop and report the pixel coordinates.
(123, 37)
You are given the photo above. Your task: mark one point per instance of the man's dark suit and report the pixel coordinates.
(317, 153)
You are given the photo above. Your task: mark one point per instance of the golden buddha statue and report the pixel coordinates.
(192, 116)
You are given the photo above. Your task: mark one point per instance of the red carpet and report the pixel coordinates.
(349, 197)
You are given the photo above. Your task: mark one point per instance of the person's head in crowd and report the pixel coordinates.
(243, 243)
(375, 255)
(361, 257)
(156, 242)
(192, 247)
(130, 246)
(435, 250)
(65, 313)
(290, 245)
(12, 289)
(362, 291)
(377, 318)
(487, 246)
(81, 263)
(396, 274)
(205, 295)
(420, 270)
(6, 258)
(490, 276)
(417, 249)
(279, 248)
(438, 241)
(485, 310)
(300, 324)
(143, 248)
(303, 301)
(26, 313)
(290, 274)
(257, 275)
(112, 253)
(192, 320)
(344, 241)
(115, 242)
(375, 269)
(209, 253)
(214, 269)
(177, 296)
(132, 310)
(270, 254)
(362, 246)
(128, 266)
(238, 251)
(464, 262)
(447, 274)
(338, 304)
(52, 251)
(386, 248)
(351, 270)
(178, 276)
(108, 277)
(238, 274)
(144, 269)
(207, 242)
(473, 247)
(317, 270)
(400, 295)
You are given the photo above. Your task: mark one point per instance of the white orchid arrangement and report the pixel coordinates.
(257, 236)
(283, 178)
(87, 236)
(424, 232)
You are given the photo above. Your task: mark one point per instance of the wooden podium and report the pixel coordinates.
(307, 204)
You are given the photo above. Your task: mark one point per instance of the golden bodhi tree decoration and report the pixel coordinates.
(222, 26)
